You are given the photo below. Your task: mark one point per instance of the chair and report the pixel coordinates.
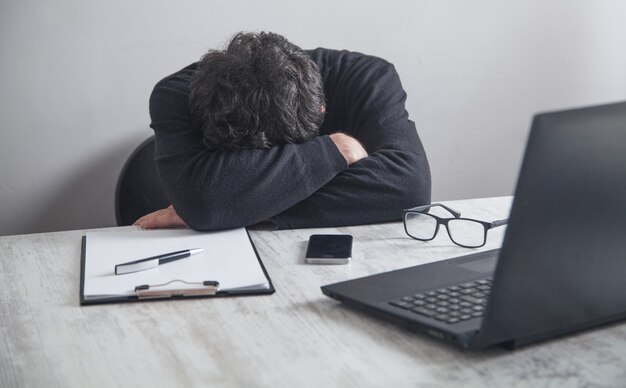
(139, 190)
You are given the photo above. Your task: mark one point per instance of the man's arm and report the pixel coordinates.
(374, 189)
(396, 174)
(349, 147)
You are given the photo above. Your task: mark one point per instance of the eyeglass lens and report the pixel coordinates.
(462, 232)
(466, 232)
(420, 226)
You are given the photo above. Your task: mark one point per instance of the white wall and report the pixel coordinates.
(75, 77)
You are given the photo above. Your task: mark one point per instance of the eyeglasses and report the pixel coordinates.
(465, 232)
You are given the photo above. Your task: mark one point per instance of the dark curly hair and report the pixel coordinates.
(260, 92)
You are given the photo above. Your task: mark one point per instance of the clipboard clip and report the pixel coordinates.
(207, 287)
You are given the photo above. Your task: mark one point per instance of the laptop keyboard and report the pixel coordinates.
(449, 304)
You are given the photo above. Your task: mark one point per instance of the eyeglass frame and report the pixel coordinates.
(444, 221)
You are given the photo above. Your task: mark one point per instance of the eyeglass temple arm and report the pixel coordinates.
(499, 222)
(455, 213)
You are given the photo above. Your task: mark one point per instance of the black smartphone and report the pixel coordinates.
(329, 249)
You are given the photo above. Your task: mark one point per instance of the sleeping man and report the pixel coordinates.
(264, 131)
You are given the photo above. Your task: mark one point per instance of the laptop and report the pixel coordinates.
(562, 265)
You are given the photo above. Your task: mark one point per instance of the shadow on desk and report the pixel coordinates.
(407, 339)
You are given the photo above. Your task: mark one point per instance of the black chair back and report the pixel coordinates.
(139, 190)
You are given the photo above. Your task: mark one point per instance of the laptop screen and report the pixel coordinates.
(565, 247)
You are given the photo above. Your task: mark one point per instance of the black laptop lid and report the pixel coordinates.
(562, 266)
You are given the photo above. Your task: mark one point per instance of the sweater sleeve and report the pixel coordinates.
(394, 176)
(226, 189)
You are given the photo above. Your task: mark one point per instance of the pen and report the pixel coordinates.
(154, 261)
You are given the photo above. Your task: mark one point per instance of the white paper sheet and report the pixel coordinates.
(228, 257)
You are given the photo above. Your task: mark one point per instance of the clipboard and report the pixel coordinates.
(178, 286)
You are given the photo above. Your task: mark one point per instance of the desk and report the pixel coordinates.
(296, 337)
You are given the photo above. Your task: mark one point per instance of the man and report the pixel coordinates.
(264, 131)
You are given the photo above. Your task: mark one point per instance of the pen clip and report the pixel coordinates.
(207, 287)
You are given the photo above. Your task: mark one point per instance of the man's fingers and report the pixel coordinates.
(351, 149)
(164, 218)
(149, 221)
(141, 220)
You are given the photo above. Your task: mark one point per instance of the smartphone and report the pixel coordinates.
(329, 249)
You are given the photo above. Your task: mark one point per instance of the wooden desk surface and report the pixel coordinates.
(296, 337)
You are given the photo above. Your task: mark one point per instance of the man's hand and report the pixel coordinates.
(164, 218)
(349, 147)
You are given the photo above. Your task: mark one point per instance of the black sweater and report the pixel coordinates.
(298, 185)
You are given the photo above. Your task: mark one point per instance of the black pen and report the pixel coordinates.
(154, 261)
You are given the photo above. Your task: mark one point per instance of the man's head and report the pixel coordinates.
(260, 92)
